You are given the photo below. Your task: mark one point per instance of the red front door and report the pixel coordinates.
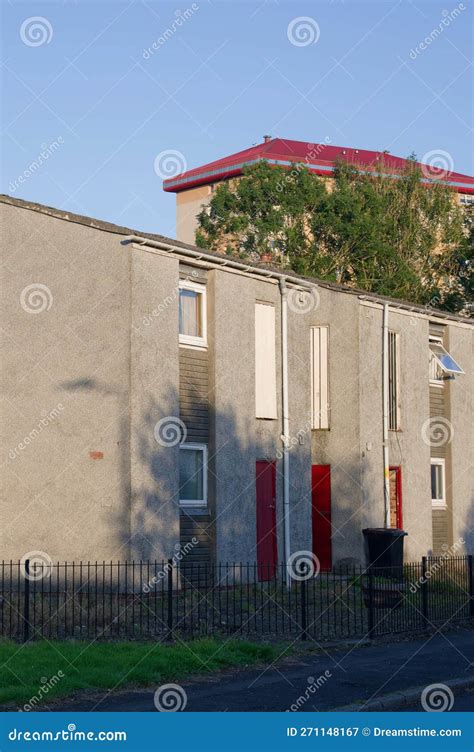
(396, 516)
(321, 503)
(266, 519)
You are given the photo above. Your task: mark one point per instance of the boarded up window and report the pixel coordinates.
(265, 361)
(319, 377)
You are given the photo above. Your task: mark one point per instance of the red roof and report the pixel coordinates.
(320, 159)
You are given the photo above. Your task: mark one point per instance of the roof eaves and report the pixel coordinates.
(104, 226)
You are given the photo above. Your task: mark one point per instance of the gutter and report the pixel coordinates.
(216, 261)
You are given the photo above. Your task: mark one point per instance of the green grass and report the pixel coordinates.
(24, 668)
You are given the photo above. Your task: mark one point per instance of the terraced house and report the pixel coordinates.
(154, 394)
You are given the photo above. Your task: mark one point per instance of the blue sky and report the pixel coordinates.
(79, 86)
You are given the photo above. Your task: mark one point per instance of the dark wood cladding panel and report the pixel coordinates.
(194, 393)
(197, 540)
(440, 531)
(438, 409)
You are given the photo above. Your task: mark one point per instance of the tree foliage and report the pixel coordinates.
(396, 237)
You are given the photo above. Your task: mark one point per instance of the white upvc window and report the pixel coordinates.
(438, 483)
(193, 475)
(393, 381)
(319, 377)
(265, 362)
(192, 314)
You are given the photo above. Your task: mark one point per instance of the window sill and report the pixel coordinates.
(202, 511)
(441, 507)
(193, 346)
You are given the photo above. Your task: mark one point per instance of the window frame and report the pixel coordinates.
(396, 425)
(439, 503)
(196, 503)
(433, 340)
(317, 420)
(438, 342)
(187, 340)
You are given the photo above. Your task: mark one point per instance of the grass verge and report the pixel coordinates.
(36, 672)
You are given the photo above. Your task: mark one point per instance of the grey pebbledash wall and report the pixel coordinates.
(96, 483)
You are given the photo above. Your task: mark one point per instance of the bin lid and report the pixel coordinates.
(395, 531)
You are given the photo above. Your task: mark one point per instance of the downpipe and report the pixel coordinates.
(385, 392)
(286, 425)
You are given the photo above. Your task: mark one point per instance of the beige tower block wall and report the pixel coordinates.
(188, 205)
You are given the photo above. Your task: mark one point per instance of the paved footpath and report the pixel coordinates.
(357, 674)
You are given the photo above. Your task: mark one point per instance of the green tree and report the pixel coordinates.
(397, 237)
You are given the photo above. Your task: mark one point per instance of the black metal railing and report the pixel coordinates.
(150, 600)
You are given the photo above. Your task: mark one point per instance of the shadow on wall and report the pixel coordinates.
(468, 534)
(144, 521)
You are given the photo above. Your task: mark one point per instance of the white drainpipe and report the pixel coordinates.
(286, 423)
(385, 390)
